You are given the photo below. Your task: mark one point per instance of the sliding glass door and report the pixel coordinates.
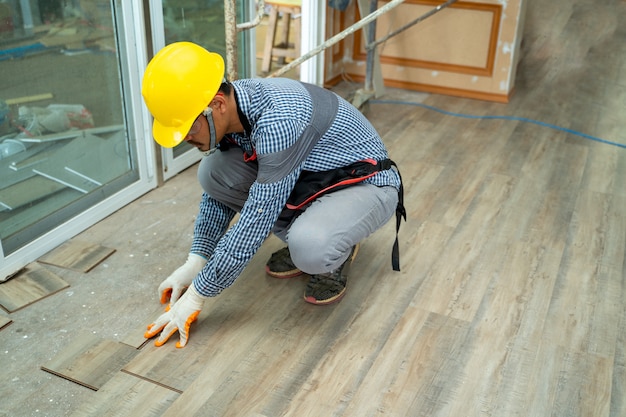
(72, 126)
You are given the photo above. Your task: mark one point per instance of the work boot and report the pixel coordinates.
(280, 265)
(329, 287)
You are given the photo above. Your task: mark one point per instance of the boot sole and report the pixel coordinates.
(326, 302)
(283, 275)
(339, 296)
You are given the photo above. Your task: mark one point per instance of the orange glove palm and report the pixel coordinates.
(177, 317)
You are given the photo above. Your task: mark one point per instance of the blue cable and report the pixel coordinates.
(21, 51)
(521, 119)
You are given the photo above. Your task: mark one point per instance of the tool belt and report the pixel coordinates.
(311, 185)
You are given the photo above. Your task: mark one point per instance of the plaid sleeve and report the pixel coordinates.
(211, 224)
(233, 252)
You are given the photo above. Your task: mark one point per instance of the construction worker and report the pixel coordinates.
(282, 147)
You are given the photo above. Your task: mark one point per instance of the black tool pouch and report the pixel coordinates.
(312, 185)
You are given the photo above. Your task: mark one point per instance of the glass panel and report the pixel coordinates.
(280, 28)
(181, 149)
(198, 21)
(63, 142)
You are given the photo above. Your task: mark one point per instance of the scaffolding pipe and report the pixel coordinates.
(371, 53)
(230, 22)
(260, 11)
(371, 45)
(337, 38)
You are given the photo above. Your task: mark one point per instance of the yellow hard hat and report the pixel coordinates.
(179, 83)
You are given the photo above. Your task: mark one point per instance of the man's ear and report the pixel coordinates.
(219, 102)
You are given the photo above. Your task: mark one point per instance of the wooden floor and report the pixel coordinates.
(511, 300)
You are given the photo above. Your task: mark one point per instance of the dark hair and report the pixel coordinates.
(226, 88)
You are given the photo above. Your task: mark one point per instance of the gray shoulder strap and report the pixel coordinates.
(275, 166)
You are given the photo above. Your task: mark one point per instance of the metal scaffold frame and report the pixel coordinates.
(368, 22)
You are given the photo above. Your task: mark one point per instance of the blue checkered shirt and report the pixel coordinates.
(278, 110)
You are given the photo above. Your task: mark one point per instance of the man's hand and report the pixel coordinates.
(172, 288)
(177, 317)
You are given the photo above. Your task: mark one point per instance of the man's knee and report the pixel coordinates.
(226, 177)
(314, 252)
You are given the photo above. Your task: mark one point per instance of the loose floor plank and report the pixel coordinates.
(30, 285)
(135, 338)
(4, 321)
(77, 255)
(90, 361)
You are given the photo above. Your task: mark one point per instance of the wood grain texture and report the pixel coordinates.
(90, 361)
(77, 255)
(4, 321)
(417, 362)
(135, 337)
(125, 395)
(511, 299)
(30, 285)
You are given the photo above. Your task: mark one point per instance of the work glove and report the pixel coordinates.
(172, 288)
(177, 317)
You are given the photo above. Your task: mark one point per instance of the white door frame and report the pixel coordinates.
(312, 34)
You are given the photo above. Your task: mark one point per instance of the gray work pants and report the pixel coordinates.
(321, 237)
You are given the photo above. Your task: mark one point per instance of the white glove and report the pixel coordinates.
(179, 317)
(171, 289)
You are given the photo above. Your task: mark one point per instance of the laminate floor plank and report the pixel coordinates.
(333, 380)
(585, 310)
(416, 373)
(618, 402)
(518, 142)
(266, 378)
(125, 395)
(77, 255)
(4, 321)
(258, 370)
(455, 285)
(262, 376)
(503, 340)
(393, 119)
(135, 337)
(620, 348)
(554, 199)
(30, 285)
(91, 361)
(570, 383)
(414, 140)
